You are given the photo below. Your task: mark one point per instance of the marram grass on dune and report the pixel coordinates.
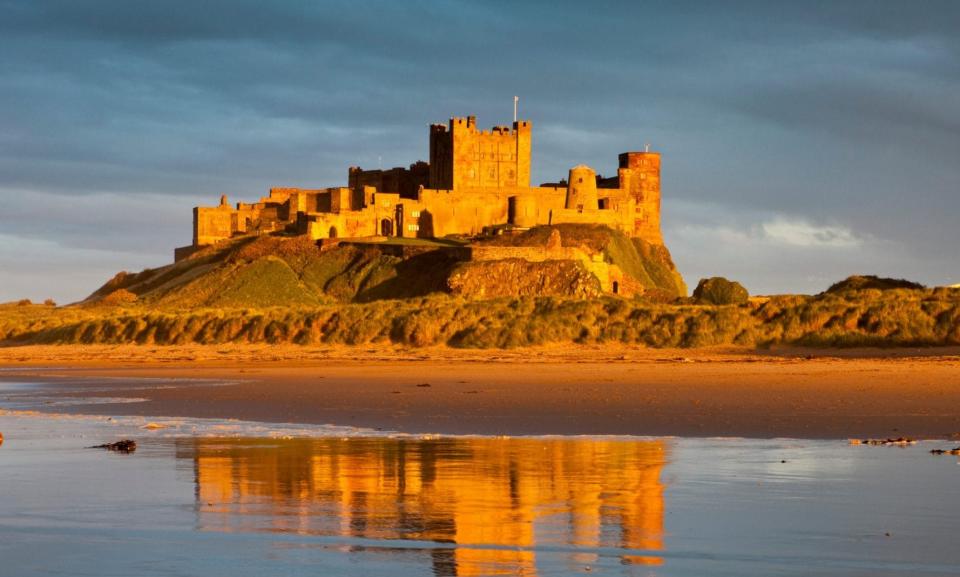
(868, 317)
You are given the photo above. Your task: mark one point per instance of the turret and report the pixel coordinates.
(582, 189)
(523, 130)
(522, 210)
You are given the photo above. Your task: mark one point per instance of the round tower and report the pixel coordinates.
(523, 211)
(582, 188)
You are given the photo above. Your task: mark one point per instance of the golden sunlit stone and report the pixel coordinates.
(476, 181)
(496, 499)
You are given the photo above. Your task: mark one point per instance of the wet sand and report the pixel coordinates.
(196, 503)
(570, 391)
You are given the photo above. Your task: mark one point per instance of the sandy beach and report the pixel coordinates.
(571, 391)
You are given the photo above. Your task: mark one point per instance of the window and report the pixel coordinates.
(413, 227)
(415, 214)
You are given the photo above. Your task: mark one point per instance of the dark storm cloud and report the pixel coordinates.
(839, 115)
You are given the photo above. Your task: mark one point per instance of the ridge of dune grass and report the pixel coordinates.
(900, 317)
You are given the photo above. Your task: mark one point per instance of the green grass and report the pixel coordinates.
(265, 282)
(277, 271)
(901, 317)
(292, 271)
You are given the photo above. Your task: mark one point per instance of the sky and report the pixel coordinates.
(802, 142)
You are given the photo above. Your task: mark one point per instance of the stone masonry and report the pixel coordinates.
(477, 181)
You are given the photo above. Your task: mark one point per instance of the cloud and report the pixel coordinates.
(824, 121)
(782, 253)
(64, 246)
(40, 269)
(799, 232)
(143, 224)
(740, 226)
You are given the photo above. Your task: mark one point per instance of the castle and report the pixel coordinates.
(477, 182)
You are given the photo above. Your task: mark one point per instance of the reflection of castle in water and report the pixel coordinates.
(496, 499)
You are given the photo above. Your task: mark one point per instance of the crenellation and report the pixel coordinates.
(476, 181)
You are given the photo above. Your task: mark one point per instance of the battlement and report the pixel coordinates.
(642, 160)
(403, 181)
(461, 156)
(469, 123)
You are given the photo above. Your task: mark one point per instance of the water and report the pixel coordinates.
(205, 497)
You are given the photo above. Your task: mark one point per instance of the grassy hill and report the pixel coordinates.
(281, 271)
(284, 290)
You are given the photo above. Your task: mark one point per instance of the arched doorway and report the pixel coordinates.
(386, 227)
(333, 232)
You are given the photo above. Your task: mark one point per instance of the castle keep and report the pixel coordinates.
(476, 182)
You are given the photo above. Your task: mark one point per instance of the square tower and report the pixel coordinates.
(463, 157)
(640, 175)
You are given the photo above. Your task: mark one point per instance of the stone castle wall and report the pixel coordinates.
(476, 180)
(212, 224)
(404, 181)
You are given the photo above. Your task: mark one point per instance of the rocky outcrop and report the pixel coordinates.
(124, 446)
(514, 277)
(642, 267)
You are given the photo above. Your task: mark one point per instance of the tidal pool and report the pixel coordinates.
(230, 498)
